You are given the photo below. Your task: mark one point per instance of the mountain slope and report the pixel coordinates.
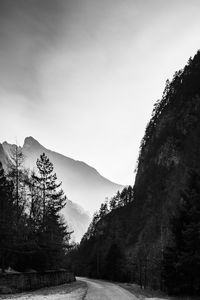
(81, 183)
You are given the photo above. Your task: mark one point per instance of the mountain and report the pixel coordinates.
(143, 231)
(82, 184)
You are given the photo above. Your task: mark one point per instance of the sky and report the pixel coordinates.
(81, 76)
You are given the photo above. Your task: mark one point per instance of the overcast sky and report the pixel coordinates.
(81, 76)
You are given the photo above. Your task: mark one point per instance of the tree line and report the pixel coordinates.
(100, 253)
(121, 199)
(33, 234)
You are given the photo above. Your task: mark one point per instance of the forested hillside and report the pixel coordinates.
(153, 238)
(33, 234)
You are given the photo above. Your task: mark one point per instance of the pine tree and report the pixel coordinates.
(92, 227)
(113, 203)
(15, 173)
(126, 195)
(56, 239)
(6, 218)
(53, 235)
(103, 211)
(52, 198)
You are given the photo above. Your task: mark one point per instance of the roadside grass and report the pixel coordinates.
(54, 292)
(142, 294)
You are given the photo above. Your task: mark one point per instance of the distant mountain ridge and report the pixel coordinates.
(81, 183)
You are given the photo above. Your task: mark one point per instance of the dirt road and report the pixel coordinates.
(103, 290)
(83, 289)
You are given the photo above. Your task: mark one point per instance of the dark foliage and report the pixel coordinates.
(32, 233)
(181, 264)
(100, 253)
(142, 227)
(114, 264)
(6, 219)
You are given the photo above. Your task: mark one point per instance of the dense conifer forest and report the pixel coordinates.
(149, 233)
(33, 235)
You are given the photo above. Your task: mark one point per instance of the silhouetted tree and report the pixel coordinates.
(6, 219)
(15, 173)
(52, 198)
(103, 210)
(53, 235)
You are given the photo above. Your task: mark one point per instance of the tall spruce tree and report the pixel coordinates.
(53, 237)
(52, 198)
(15, 173)
(6, 219)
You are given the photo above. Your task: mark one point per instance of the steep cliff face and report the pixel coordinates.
(169, 151)
(170, 148)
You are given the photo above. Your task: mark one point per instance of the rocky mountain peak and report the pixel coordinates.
(30, 142)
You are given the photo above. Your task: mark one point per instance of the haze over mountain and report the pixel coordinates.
(82, 184)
